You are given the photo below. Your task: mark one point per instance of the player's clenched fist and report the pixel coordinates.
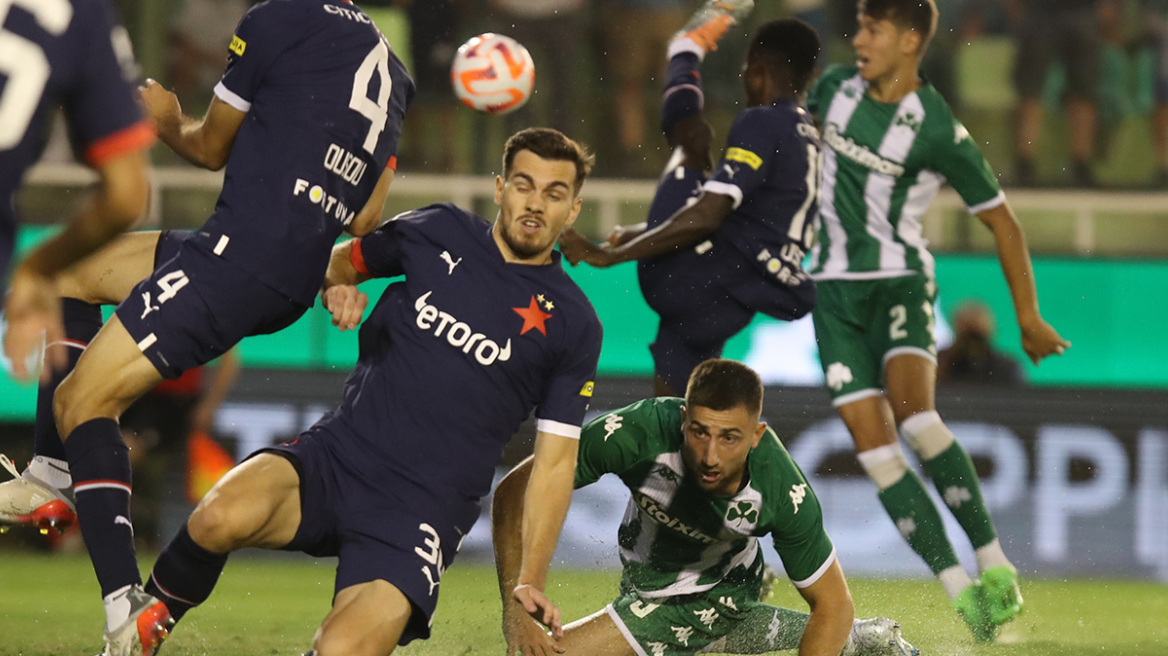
(157, 102)
(347, 305)
(1040, 339)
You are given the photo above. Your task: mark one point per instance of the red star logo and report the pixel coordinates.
(533, 317)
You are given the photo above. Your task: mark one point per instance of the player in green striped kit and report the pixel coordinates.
(707, 480)
(890, 141)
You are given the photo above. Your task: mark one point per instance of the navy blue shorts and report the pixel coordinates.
(195, 306)
(380, 528)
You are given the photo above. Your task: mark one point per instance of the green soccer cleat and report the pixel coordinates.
(1003, 597)
(711, 21)
(972, 606)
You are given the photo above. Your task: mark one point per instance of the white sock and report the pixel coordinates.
(684, 44)
(51, 471)
(991, 555)
(117, 608)
(955, 579)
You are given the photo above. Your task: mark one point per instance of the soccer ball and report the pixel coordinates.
(493, 73)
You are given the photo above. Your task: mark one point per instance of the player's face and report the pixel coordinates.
(717, 444)
(536, 202)
(882, 48)
(754, 80)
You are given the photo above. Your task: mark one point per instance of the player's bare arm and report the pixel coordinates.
(622, 234)
(684, 228)
(549, 491)
(522, 633)
(32, 306)
(370, 215)
(339, 293)
(832, 613)
(204, 142)
(1039, 339)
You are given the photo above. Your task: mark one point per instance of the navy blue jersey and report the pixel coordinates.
(61, 53)
(325, 97)
(455, 357)
(771, 170)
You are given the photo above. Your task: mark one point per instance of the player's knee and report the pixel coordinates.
(885, 465)
(926, 434)
(331, 641)
(217, 524)
(69, 408)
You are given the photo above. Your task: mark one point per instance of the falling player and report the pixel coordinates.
(716, 251)
(890, 141)
(707, 481)
(306, 121)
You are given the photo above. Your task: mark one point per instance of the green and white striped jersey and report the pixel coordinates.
(677, 539)
(882, 165)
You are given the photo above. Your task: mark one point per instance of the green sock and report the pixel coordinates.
(764, 629)
(909, 506)
(956, 481)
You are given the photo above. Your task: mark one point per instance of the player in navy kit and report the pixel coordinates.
(716, 251)
(306, 121)
(65, 54)
(485, 327)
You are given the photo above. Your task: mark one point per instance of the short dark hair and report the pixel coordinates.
(549, 144)
(917, 15)
(720, 384)
(791, 43)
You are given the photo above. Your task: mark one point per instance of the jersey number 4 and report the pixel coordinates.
(25, 65)
(376, 62)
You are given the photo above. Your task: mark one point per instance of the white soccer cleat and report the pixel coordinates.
(28, 501)
(711, 21)
(144, 630)
(878, 636)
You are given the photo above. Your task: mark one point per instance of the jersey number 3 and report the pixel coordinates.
(376, 62)
(25, 65)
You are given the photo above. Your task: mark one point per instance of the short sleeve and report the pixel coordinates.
(612, 443)
(752, 144)
(798, 533)
(819, 97)
(569, 390)
(264, 33)
(961, 162)
(379, 253)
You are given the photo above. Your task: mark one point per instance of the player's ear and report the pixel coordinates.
(499, 184)
(758, 433)
(577, 203)
(910, 42)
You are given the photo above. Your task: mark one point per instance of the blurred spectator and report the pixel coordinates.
(430, 126)
(1068, 31)
(1156, 19)
(199, 37)
(551, 30)
(636, 34)
(957, 22)
(972, 358)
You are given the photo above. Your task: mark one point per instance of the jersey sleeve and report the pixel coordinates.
(821, 91)
(264, 33)
(569, 388)
(612, 443)
(101, 109)
(752, 144)
(379, 253)
(958, 158)
(797, 531)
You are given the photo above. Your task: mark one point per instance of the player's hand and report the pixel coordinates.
(1040, 339)
(537, 605)
(33, 313)
(577, 249)
(157, 102)
(621, 234)
(525, 637)
(347, 305)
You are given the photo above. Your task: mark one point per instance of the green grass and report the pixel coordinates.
(49, 605)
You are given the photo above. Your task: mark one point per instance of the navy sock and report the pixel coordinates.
(82, 321)
(683, 95)
(184, 574)
(100, 463)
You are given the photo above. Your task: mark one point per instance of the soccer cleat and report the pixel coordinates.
(711, 21)
(144, 630)
(1003, 596)
(769, 576)
(972, 606)
(27, 500)
(878, 636)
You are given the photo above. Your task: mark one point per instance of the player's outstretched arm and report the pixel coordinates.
(686, 227)
(205, 142)
(339, 292)
(549, 491)
(508, 507)
(1039, 339)
(32, 306)
(832, 613)
(370, 216)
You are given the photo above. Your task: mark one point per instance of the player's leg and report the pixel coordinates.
(910, 380)
(766, 629)
(366, 619)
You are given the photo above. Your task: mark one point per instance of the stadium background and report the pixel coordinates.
(1075, 464)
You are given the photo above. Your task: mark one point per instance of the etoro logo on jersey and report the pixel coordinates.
(459, 334)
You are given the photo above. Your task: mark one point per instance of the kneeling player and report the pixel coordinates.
(707, 480)
(716, 251)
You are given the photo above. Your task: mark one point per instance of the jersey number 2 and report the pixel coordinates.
(25, 65)
(377, 61)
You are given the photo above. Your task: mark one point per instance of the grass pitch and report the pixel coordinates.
(49, 605)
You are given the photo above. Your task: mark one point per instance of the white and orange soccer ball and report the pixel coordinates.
(493, 73)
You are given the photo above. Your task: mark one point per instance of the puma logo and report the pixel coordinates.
(121, 519)
(450, 261)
